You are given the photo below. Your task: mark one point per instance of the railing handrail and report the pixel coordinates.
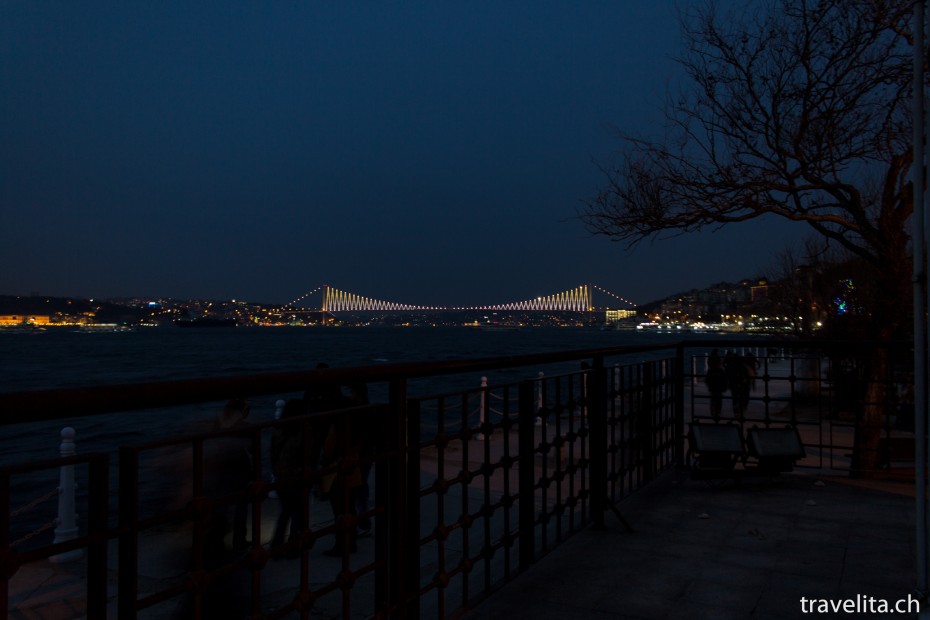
(44, 405)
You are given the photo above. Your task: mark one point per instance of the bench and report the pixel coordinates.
(718, 451)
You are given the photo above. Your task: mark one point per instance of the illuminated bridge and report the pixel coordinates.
(578, 299)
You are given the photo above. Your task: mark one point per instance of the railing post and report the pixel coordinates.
(597, 422)
(645, 423)
(526, 478)
(540, 398)
(482, 413)
(400, 553)
(67, 528)
(384, 525)
(413, 509)
(278, 411)
(6, 552)
(128, 563)
(98, 508)
(679, 384)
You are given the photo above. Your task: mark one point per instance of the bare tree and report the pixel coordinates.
(798, 109)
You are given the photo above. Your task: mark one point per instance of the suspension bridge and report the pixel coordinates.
(578, 299)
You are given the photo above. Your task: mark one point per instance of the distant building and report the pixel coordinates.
(24, 319)
(760, 291)
(615, 316)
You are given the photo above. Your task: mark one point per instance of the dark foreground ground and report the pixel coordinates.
(747, 551)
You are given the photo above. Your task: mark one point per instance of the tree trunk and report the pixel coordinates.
(867, 457)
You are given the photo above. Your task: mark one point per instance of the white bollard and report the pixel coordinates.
(67, 528)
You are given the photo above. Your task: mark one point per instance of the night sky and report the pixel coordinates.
(426, 153)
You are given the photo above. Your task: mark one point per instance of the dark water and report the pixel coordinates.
(66, 358)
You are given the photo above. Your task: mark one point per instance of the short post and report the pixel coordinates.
(540, 401)
(680, 404)
(526, 475)
(646, 422)
(483, 408)
(584, 393)
(278, 412)
(67, 528)
(600, 493)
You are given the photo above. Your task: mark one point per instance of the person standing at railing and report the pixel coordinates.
(339, 447)
(716, 380)
(739, 381)
(233, 416)
(320, 398)
(366, 434)
(287, 464)
(752, 367)
(228, 470)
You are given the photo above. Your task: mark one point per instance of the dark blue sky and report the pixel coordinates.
(430, 153)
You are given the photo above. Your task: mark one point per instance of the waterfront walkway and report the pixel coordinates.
(747, 551)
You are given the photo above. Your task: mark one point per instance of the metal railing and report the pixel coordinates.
(470, 487)
(852, 403)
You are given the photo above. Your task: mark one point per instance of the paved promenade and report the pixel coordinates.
(748, 551)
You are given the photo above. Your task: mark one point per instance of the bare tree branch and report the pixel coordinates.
(798, 109)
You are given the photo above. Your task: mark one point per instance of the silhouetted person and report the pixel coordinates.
(716, 380)
(287, 465)
(338, 446)
(235, 415)
(339, 449)
(227, 469)
(319, 398)
(752, 367)
(365, 428)
(739, 381)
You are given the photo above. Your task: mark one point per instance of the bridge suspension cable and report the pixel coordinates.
(335, 300)
(606, 292)
(302, 297)
(578, 299)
